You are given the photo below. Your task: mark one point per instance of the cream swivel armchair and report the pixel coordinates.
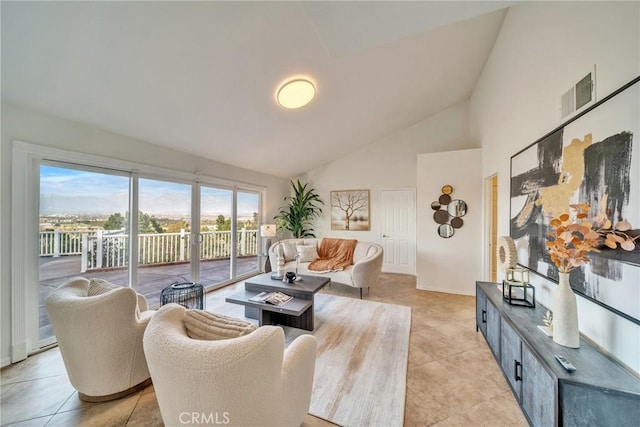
(250, 380)
(100, 337)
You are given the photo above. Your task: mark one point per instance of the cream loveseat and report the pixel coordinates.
(364, 272)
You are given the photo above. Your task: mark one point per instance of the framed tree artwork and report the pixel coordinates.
(350, 210)
(593, 159)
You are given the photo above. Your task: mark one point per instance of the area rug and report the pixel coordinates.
(361, 367)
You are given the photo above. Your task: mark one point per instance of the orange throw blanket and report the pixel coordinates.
(334, 255)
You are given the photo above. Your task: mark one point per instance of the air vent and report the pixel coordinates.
(579, 95)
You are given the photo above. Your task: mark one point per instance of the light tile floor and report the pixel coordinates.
(452, 378)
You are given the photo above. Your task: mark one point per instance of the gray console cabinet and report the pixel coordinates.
(488, 321)
(534, 387)
(599, 393)
(511, 357)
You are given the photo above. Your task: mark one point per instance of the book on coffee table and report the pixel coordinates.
(275, 298)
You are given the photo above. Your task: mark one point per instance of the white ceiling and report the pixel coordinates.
(201, 77)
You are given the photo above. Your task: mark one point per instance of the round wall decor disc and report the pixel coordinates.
(444, 199)
(457, 222)
(441, 217)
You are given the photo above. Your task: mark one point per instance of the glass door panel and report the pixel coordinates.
(247, 249)
(82, 230)
(216, 210)
(164, 227)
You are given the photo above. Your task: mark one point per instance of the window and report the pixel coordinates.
(74, 211)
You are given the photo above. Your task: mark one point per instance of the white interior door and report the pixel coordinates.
(398, 231)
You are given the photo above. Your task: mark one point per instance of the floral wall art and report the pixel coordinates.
(592, 159)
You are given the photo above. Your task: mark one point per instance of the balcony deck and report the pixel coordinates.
(151, 279)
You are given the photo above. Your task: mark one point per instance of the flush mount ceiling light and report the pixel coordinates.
(296, 93)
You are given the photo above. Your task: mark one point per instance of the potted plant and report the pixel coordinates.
(300, 209)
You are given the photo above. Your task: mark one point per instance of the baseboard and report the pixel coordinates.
(5, 362)
(448, 291)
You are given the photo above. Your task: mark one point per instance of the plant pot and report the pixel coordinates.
(565, 314)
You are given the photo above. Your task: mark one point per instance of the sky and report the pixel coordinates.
(64, 190)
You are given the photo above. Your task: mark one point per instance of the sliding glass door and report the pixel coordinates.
(164, 226)
(215, 237)
(82, 230)
(247, 225)
(228, 237)
(129, 229)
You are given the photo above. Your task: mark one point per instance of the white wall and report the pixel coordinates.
(542, 49)
(449, 265)
(29, 126)
(388, 163)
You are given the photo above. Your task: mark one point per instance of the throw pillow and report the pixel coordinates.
(307, 252)
(290, 251)
(203, 325)
(100, 286)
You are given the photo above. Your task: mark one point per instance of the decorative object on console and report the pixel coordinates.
(350, 210)
(565, 312)
(507, 254)
(548, 324)
(572, 239)
(517, 275)
(516, 289)
(448, 213)
(592, 158)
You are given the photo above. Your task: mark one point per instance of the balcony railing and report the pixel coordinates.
(109, 249)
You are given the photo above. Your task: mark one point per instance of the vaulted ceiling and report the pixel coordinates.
(201, 77)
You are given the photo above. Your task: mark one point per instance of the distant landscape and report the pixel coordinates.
(168, 223)
(80, 200)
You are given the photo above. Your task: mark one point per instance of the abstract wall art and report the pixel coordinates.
(594, 158)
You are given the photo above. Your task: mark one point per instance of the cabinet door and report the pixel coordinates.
(584, 404)
(538, 390)
(481, 311)
(493, 328)
(510, 359)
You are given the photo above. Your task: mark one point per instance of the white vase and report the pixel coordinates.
(565, 314)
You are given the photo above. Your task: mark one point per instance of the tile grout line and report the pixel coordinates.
(35, 379)
(61, 406)
(134, 409)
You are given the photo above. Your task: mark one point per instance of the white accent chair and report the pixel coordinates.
(250, 380)
(100, 339)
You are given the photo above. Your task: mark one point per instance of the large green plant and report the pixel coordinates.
(300, 210)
